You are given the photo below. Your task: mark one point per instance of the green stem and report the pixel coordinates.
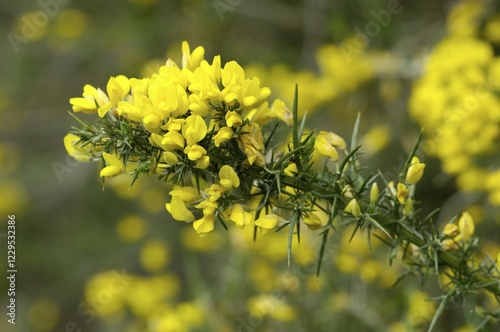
(401, 231)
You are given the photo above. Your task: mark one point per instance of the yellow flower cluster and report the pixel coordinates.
(200, 126)
(180, 106)
(207, 200)
(457, 101)
(151, 298)
(458, 234)
(336, 76)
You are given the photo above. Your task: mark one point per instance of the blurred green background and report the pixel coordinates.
(69, 229)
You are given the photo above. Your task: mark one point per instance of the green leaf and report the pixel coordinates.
(322, 250)
(377, 225)
(355, 132)
(440, 310)
(402, 175)
(293, 221)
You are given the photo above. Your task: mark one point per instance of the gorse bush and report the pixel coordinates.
(231, 156)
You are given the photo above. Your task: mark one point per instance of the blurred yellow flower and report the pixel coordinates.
(270, 305)
(105, 292)
(70, 23)
(191, 241)
(376, 139)
(154, 256)
(145, 294)
(44, 314)
(131, 228)
(420, 310)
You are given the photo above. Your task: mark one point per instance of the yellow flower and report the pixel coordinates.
(173, 124)
(415, 171)
(353, 208)
(194, 130)
(291, 170)
(267, 222)
(195, 152)
(214, 191)
(420, 310)
(76, 150)
(44, 314)
(186, 193)
(233, 119)
(115, 165)
(466, 226)
(232, 74)
(152, 122)
(272, 306)
(282, 112)
(334, 139)
(170, 158)
(312, 221)
(208, 206)
(223, 135)
(204, 225)
(154, 256)
(451, 230)
(402, 193)
(103, 282)
(174, 140)
(228, 178)
(326, 142)
(203, 162)
(118, 87)
(252, 144)
(190, 60)
(177, 206)
(239, 216)
(131, 228)
(92, 99)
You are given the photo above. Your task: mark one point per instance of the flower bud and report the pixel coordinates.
(353, 208)
(415, 171)
(374, 193)
(451, 230)
(466, 226)
(449, 244)
(347, 191)
(408, 207)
